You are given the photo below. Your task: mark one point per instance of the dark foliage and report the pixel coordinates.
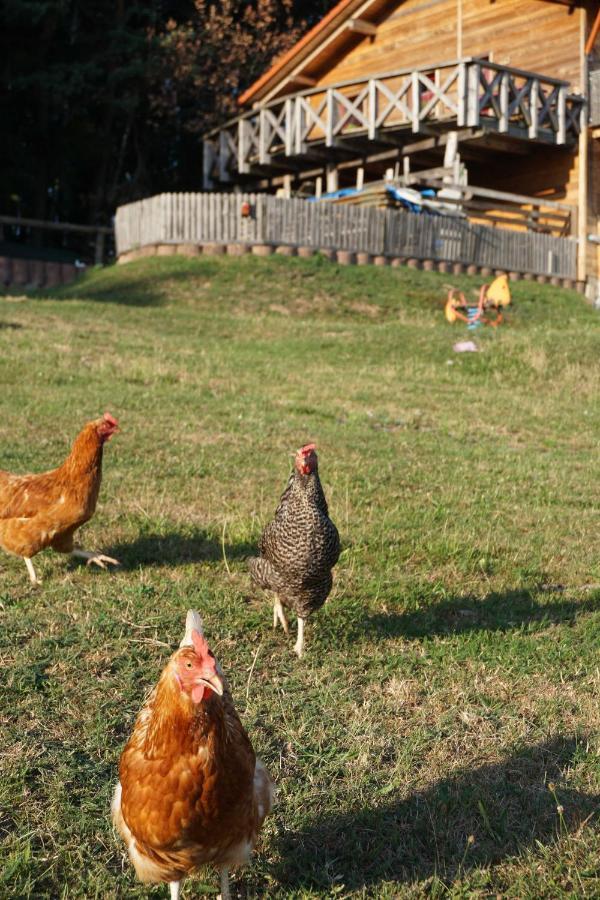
(105, 102)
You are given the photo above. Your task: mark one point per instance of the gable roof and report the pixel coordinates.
(331, 32)
(326, 30)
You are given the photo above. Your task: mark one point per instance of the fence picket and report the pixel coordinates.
(212, 217)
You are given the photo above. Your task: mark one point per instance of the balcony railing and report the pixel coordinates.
(470, 93)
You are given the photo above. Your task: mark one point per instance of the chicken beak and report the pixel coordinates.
(213, 682)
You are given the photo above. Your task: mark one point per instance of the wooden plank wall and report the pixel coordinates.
(545, 171)
(536, 35)
(528, 34)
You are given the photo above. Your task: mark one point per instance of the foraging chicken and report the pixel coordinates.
(45, 510)
(191, 791)
(299, 548)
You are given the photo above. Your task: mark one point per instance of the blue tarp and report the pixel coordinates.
(408, 197)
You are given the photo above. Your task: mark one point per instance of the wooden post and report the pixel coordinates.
(99, 249)
(208, 159)
(462, 93)
(289, 127)
(360, 178)
(533, 108)
(331, 174)
(243, 167)
(503, 123)
(330, 120)
(473, 95)
(415, 101)
(451, 149)
(561, 135)
(264, 135)
(582, 211)
(298, 125)
(223, 157)
(372, 109)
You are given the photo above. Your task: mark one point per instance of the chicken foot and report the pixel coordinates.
(99, 559)
(279, 615)
(299, 645)
(225, 892)
(33, 577)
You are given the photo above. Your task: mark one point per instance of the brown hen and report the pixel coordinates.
(45, 510)
(191, 791)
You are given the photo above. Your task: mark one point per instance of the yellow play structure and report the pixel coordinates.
(493, 298)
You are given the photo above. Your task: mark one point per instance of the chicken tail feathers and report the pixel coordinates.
(264, 791)
(193, 622)
(261, 572)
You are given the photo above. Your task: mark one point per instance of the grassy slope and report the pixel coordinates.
(447, 681)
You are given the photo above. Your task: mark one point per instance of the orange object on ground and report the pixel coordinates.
(493, 298)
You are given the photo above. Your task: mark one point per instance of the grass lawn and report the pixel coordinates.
(441, 735)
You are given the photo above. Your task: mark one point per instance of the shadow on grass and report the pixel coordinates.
(176, 548)
(12, 326)
(505, 611)
(475, 818)
(145, 283)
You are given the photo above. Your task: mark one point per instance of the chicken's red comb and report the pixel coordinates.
(202, 649)
(110, 419)
(308, 448)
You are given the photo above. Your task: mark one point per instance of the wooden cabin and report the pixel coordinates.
(505, 94)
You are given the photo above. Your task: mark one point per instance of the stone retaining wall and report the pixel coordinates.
(35, 273)
(342, 257)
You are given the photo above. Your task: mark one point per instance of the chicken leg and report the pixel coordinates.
(278, 614)
(174, 887)
(33, 577)
(225, 892)
(99, 559)
(299, 645)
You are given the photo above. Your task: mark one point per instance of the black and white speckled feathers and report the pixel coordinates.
(299, 547)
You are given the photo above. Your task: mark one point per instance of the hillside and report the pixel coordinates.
(447, 705)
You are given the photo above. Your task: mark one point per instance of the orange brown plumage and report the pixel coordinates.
(191, 791)
(45, 510)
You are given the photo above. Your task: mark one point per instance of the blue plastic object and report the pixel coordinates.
(474, 320)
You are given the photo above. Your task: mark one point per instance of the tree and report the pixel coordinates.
(104, 101)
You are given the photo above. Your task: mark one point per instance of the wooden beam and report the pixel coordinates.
(279, 86)
(426, 174)
(360, 26)
(593, 34)
(304, 80)
(55, 226)
(470, 190)
(466, 134)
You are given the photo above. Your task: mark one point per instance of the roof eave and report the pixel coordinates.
(302, 48)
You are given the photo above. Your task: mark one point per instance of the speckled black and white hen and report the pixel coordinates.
(299, 548)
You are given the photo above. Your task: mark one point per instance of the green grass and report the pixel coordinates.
(447, 706)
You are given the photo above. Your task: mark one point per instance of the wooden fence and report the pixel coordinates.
(217, 218)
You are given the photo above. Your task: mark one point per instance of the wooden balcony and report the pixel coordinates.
(360, 117)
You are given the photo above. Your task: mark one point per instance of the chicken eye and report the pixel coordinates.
(188, 665)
